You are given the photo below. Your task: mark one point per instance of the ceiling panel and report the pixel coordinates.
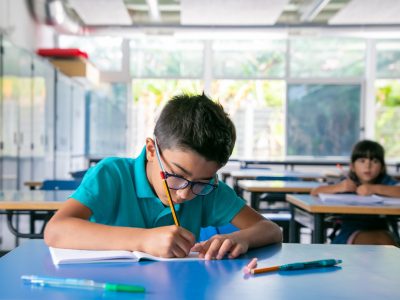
(368, 12)
(101, 12)
(231, 12)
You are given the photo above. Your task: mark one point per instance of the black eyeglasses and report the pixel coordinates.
(177, 182)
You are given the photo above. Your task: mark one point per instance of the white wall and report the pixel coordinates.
(19, 27)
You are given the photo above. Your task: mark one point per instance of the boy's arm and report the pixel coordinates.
(255, 231)
(70, 228)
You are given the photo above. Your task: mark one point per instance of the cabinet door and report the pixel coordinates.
(63, 126)
(78, 127)
(10, 116)
(43, 120)
(25, 170)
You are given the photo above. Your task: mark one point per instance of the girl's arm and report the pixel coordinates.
(379, 189)
(344, 186)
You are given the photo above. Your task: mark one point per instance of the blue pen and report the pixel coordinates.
(80, 283)
(299, 266)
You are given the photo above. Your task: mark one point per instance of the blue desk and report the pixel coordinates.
(367, 272)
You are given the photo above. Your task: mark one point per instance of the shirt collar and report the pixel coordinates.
(143, 187)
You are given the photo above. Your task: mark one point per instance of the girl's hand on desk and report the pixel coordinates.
(168, 241)
(219, 246)
(347, 185)
(365, 189)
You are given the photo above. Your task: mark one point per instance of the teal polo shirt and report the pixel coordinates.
(118, 193)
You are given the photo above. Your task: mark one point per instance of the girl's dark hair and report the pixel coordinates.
(197, 123)
(372, 150)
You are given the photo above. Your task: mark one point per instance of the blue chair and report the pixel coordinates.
(50, 185)
(283, 178)
(44, 216)
(207, 232)
(78, 175)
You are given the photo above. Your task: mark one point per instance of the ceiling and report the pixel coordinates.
(271, 13)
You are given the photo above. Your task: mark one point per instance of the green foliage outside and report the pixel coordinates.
(159, 91)
(387, 125)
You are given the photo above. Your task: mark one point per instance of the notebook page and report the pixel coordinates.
(193, 256)
(69, 256)
(349, 199)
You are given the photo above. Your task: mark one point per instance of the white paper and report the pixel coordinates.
(74, 256)
(357, 199)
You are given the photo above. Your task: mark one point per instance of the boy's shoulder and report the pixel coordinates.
(115, 162)
(114, 159)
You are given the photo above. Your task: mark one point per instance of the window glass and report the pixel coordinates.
(387, 126)
(256, 108)
(166, 58)
(327, 57)
(388, 59)
(322, 119)
(249, 58)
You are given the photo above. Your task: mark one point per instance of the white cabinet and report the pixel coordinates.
(27, 118)
(15, 115)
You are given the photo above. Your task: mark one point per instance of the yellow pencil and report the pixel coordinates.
(171, 204)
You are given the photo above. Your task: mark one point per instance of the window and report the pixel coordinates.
(387, 125)
(166, 58)
(249, 59)
(387, 87)
(257, 110)
(322, 119)
(388, 59)
(327, 57)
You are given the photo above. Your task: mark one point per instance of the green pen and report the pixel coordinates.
(80, 283)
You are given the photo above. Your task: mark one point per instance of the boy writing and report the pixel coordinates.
(122, 203)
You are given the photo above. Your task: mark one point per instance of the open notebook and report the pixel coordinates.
(357, 199)
(73, 256)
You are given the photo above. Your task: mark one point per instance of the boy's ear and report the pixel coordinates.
(150, 149)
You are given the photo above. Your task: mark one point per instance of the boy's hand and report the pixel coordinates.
(219, 246)
(348, 185)
(169, 241)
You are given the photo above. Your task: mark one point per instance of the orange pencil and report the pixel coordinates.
(264, 270)
(171, 204)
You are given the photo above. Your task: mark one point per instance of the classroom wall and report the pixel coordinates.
(17, 24)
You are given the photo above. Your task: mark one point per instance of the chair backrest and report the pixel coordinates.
(78, 175)
(283, 178)
(207, 232)
(50, 185)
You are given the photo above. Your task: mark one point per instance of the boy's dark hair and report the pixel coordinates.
(372, 150)
(197, 123)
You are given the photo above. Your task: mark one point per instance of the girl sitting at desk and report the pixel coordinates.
(367, 176)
